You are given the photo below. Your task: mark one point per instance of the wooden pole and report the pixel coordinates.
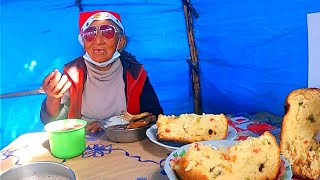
(194, 59)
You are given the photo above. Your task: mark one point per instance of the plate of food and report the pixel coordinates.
(172, 132)
(229, 159)
(127, 127)
(171, 145)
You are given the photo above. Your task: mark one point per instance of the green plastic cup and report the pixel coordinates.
(67, 138)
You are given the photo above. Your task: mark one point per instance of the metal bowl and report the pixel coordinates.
(39, 170)
(123, 135)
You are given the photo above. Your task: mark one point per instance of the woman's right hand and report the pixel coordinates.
(55, 84)
(94, 126)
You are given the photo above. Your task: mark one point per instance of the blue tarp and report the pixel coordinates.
(251, 53)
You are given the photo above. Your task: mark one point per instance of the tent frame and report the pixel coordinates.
(193, 59)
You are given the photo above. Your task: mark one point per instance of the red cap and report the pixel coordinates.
(84, 16)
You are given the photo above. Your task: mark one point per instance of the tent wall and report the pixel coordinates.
(251, 53)
(38, 36)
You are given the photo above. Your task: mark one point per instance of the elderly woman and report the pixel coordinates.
(102, 82)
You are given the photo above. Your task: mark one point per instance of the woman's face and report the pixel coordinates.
(102, 49)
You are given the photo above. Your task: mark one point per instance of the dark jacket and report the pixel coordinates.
(140, 94)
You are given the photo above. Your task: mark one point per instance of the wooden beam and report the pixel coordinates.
(193, 57)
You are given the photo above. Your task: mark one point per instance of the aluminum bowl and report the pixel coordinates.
(39, 170)
(123, 135)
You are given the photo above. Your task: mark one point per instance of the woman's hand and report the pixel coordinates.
(94, 126)
(55, 84)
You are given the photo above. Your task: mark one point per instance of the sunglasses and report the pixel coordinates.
(107, 31)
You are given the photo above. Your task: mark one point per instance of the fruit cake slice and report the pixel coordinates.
(253, 158)
(192, 127)
(300, 129)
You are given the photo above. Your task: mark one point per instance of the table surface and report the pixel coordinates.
(103, 159)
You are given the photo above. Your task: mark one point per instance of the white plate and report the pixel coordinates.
(171, 146)
(285, 166)
(115, 120)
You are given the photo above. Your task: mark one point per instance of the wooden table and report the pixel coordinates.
(101, 160)
(107, 160)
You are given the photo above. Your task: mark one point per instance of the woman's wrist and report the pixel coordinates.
(53, 105)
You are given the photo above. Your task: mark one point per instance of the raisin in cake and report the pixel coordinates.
(253, 158)
(300, 127)
(192, 127)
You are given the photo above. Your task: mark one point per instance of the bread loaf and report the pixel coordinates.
(192, 127)
(253, 158)
(300, 127)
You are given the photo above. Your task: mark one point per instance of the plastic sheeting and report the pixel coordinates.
(38, 36)
(251, 53)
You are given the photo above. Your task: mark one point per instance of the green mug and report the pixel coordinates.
(67, 138)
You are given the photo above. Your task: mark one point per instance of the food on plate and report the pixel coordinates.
(300, 128)
(141, 122)
(134, 120)
(133, 117)
(192, 127)
(134, 130)
(253, 158)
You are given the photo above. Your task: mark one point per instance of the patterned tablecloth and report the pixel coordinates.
(107, 160)
(255, 125)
